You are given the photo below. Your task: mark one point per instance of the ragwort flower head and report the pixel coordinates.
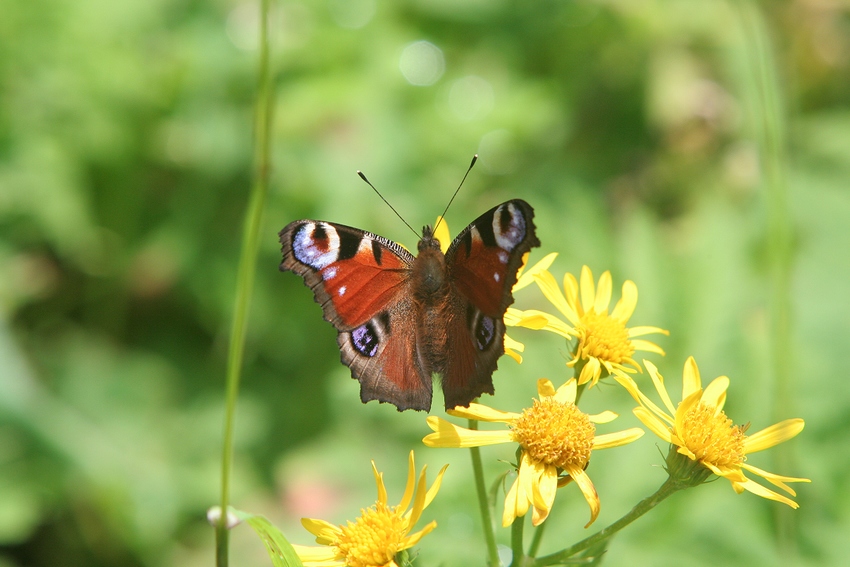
(556, 441)
(381, 531)
(604, 343)
(699, 429)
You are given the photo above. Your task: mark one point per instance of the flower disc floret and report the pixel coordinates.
(604, 338)
(555, 434)
(712, 437)
(374, 538)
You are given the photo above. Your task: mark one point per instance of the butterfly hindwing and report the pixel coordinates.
(361, 280)
(482, 263)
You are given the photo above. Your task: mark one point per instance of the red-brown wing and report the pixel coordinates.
(362, 282)
(482, 263)
(353, 274)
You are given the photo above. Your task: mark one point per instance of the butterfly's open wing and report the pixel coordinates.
(482, 264)
(360, 279)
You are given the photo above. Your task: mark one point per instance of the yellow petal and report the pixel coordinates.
(411, 480)
(587, 489)
(537, 321)
(628, 301)
(641, 330)
(715, 393)
(511, 504)
(413, 539)
(519, 495)
(631, 386)
(317, 556)
(513, 344)
(513, 354)
(544, 494)
(571, 293)
(441, 233)
(658, 382)
(545, 388)
(450, 435)
(587, 289)
(547, 284)
(480, 412)
(435, 487)
(661, 429)
(591, 372)
(760, 490)
(566, 394)
(624, 437)
(647, 346)
(773, 435)
(684, 407)
(323, 530)
(379, 480)
(419, 501)
(603, 293)
(526, 277)
(775, 479)
(690, 378)
(603, 417)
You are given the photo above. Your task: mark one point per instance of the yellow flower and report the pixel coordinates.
(604, 341)
(700, 430)
(555, 437)
(381, 531)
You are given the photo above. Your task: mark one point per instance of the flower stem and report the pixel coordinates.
(245, 275)
(669, 487)
(538, 537)
(577, 368)
(483, 504)
(518, 559)
(767, 106)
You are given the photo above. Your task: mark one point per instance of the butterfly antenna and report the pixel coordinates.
(471, 164)
(363, 177)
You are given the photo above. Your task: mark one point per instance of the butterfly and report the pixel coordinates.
(402, 318)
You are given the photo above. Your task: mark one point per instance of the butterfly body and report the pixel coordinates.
(402, 318)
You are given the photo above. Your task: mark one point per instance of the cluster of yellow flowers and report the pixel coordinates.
(556, 439)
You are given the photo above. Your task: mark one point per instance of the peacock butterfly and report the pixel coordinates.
(401, 318)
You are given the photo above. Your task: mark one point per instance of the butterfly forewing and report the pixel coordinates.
(354, 274)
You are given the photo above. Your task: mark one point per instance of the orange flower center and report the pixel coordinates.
(712, 437)
(605, 338)
(373, 539)
(555, 433)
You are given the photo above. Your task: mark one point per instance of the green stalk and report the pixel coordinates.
(536, 539)
(669, 487)
(245, 275)
(483, 504)
(768, 112)
(518, 559)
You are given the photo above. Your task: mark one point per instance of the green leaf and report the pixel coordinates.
(280, 550)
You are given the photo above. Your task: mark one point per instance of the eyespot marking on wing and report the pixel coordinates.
(508, 226)
(316, 244)
(485, 330)
(365, 340)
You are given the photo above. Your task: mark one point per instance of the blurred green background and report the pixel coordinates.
(701, 149)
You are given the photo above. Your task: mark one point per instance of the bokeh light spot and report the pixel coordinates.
(422, 63)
